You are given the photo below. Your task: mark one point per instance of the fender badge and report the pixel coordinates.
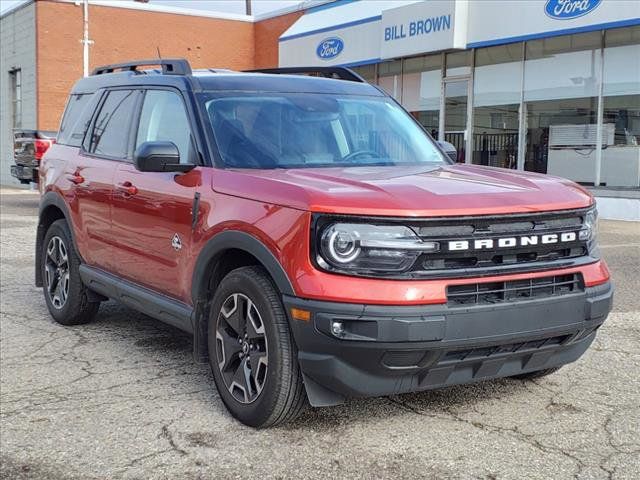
(176, 243)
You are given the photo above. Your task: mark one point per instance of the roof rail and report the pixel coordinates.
(341, 73)
(170, 66)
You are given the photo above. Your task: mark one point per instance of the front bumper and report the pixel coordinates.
(387, 350)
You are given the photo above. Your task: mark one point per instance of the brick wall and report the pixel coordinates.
(267, 33)
(122, 34)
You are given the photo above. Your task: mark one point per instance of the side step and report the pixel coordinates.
(139, 298)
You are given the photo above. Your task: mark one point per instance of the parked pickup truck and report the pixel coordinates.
(311, 236)
(28, 148)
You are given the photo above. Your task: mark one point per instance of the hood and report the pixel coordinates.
(415, 191)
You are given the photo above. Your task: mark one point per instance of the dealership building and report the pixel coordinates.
(550, 86)
(543, 86)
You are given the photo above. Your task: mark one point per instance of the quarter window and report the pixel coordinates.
(76, 119)
(110, 135)
(164, 118)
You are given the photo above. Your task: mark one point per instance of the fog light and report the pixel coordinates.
(337, 328)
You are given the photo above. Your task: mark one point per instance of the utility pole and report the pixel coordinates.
(85, 38)
(248, 6)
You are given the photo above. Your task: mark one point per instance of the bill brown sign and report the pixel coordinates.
(423, 27)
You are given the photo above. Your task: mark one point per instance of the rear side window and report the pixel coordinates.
(76, 119)
(164, 118)
(110, 136)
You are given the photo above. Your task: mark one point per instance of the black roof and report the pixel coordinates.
(177, 73)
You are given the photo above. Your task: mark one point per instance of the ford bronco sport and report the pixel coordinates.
(316, 242)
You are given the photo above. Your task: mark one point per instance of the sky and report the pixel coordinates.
(228, 6)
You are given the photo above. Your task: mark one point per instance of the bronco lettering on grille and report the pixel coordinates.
(512, 242)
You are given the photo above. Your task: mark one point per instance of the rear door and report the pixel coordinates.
(107, 143)
(152, 211)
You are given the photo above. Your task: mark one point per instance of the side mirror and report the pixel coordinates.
(449, 149)
(159, 156)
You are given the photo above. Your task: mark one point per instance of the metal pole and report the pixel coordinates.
(248, 6)
(597, 178)
(85, 38)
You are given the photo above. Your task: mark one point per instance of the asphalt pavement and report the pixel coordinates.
(122, 398)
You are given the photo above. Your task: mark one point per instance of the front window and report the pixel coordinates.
(315, 130)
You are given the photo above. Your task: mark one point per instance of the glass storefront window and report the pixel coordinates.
(497, 83)
(455, 115)
(620, 164)
(421, 85)
(368, 72)
(561, 88)
(459, 63)
(390, 78)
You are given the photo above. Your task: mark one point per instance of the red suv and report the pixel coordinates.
(316, 242)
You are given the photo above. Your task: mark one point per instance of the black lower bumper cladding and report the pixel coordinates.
(351, 350)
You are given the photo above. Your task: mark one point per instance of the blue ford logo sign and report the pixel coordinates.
(568, 9)
(330, 48)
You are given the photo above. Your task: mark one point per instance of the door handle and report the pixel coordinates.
(75, 178)
(127, 188)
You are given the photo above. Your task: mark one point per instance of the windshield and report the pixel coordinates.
(285, 130)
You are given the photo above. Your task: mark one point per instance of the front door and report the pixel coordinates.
(456, 94)
(152, 211)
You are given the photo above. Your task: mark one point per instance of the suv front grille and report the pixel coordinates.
(518, 256)
(514, 290)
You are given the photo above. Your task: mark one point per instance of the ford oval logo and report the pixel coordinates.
(330, 48)
(568, 9)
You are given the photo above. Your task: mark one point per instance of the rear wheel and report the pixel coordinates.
(536, 374)
(251, 352)
(66, 296)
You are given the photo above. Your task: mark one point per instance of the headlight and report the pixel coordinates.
(356, 248)
(589, 232)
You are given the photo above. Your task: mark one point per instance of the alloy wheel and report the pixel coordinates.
(57, 272)
(242, 352)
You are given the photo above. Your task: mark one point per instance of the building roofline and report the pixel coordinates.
(16, 7)
(304, 5)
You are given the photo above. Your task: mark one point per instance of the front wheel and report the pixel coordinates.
(251, 352)
(66, 296)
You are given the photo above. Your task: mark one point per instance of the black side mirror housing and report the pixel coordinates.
(449, 149)
(159, 156)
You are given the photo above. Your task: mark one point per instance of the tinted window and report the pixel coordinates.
(110, 135)
(76, 119)
(164, 118)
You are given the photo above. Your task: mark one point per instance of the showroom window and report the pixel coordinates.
(390, 78)
(620, 164)
(459, 63)
(561, 90)
(421, 86)
(368, 72)
(496, 105)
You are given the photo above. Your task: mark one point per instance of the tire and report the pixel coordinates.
(68, 305)
(536, 374)
(257, 374)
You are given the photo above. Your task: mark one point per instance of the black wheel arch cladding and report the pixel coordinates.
(212, 253)
(52, 208)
